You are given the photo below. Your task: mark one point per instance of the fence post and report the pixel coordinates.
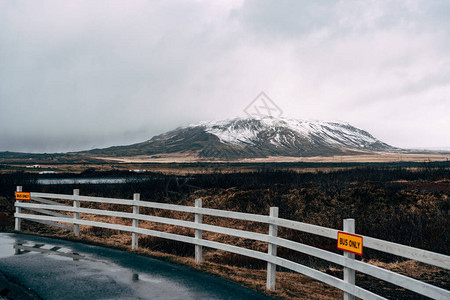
(134, 235)
(198, 233)
(272, 250)
(349, 274)
(18, 211)
(76, 215)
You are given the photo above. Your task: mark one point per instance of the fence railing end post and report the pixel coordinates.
(18, 221)
(76, 215)
(349, 274)
(198, 233)
(134, 235)
(272, 250)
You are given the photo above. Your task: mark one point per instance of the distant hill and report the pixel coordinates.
(255, 138)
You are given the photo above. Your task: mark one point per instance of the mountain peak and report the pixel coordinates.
(248, 130)
(239, 138)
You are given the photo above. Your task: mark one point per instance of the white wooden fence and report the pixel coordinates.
(49, 210)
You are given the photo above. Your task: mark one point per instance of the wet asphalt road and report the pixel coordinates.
(55, 269)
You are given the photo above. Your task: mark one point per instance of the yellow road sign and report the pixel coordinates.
(350, 242)
(23, 196)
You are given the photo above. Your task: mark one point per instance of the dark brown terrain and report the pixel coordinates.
(404, 205)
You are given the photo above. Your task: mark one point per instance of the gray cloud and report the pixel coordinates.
(80, 74)
(287, 19)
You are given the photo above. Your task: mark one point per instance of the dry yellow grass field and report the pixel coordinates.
(380, 157)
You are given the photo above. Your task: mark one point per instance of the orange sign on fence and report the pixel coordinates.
(350, 242)
(23, 196)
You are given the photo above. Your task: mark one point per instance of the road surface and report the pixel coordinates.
(33, 267)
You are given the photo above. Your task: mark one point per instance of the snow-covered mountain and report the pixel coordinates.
(254, 138)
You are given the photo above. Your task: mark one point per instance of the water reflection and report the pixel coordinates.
(101, 180)
(51, 267)
(53, 181)
(23, 247)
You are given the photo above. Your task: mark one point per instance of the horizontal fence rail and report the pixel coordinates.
(51, 212)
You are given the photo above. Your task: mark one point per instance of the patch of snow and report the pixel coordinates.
(246, 131)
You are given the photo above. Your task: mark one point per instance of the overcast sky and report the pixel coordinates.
(75, 75)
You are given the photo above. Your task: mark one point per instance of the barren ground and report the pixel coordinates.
(382, 157)
(402, 205)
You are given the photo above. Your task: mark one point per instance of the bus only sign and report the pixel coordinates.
(350, 242)
(23, 196)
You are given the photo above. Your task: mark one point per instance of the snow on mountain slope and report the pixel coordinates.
(256, 138)
(281, 131)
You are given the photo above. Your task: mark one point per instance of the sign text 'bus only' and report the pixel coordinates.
(350, 242)
(23, 196)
